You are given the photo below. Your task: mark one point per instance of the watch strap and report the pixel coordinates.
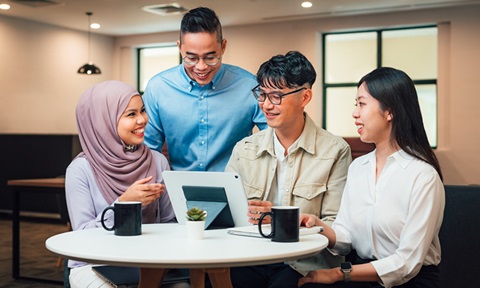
(346, 276)
(346, 268)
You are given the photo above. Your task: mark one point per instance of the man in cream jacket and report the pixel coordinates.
(292, 162)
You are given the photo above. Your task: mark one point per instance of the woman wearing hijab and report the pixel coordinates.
(114, 166)
(392, 206)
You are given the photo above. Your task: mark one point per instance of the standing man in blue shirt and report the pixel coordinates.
(201, 108)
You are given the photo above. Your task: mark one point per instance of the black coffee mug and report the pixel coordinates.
(285, 224)
(127, 218)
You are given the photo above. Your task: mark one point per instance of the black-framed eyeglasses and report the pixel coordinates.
(274, 97)
(210, 60)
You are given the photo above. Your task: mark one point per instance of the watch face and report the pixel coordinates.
(346, 265)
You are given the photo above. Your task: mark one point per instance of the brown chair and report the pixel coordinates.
(358, 147)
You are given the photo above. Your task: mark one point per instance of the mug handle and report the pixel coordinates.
(102, 219)
(260, 225)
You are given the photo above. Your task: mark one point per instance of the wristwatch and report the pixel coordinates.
(346, 268)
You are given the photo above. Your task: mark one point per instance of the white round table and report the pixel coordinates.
(167, 246)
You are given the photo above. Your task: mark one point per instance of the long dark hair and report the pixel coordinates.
(201, 19)
(396, 93)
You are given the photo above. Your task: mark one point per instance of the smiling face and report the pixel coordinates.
(201, 44)
(132, 122)
(373, 124)
(286, 118)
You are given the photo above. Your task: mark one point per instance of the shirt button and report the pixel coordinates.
(203, 142)
(201, 97)
(203, 120)
(201, 165)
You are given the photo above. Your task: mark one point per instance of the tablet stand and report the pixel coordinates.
(214, 201)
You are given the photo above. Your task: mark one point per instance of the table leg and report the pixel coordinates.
(151, 277)
(16, 234)
(197, 278)
(219, 277)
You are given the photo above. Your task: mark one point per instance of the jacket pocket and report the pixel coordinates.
(253, 193)
(309, 192)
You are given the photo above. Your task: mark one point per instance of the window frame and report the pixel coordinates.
(139, 64)
(379, 50)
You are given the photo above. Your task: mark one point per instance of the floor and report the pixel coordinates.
(35, 259)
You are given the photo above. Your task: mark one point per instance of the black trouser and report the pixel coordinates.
(428, 277)
(278, 275)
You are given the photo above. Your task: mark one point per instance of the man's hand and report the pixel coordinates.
(255, 210)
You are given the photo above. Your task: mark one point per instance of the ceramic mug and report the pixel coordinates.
(127, 218)
(285, 224)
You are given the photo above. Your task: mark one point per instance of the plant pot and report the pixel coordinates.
(195, 229)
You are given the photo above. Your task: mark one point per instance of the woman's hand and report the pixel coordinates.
(327, 276)
(143, 192)
(308, 220)
(255, 210)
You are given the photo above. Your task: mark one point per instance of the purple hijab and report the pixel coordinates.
(114, 169)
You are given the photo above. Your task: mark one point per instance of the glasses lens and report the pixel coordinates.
(256, 94)
(211, 61)
(190, 60)
(193, 60)
(276, 99)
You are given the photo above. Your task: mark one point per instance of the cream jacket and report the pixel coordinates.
(315, 177)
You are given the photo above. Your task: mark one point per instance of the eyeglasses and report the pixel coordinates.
(210, 60)
(274, 97)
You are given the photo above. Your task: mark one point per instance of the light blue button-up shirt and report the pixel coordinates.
(201, 124)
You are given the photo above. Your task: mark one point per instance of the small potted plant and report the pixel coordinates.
(195, 222)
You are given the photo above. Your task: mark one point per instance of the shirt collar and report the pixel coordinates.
(277, 146)
(402, 157)
(193, 84)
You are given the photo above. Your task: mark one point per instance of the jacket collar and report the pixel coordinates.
(306, 141)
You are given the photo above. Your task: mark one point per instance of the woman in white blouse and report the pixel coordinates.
(393, 202)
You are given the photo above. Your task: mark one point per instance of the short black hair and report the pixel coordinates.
(201, 19)
(287, 71)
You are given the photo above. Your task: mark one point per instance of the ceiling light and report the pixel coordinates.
(307, 4)
(89, 68)
(4, 6)
(95, 26)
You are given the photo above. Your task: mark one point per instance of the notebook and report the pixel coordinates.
(122, 277)
(252, 230)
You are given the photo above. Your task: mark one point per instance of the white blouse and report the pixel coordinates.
(394, 220)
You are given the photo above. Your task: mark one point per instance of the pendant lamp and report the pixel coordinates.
(89, 68)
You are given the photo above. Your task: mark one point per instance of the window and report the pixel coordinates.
(347, 56)
(152, 60)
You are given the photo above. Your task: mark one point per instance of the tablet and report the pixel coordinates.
(221, 194)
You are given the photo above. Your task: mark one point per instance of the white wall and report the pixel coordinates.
(34, 99)
(39, 84)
